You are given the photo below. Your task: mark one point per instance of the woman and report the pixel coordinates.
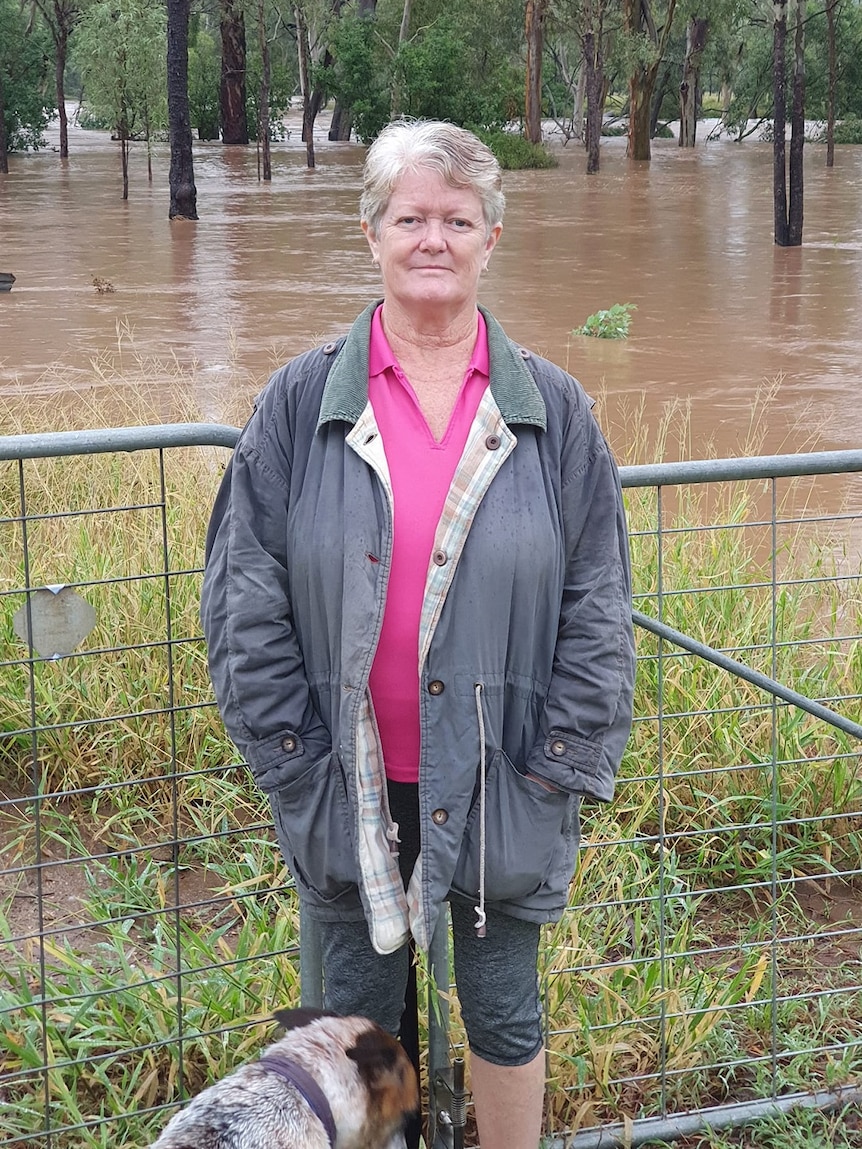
(417, 603)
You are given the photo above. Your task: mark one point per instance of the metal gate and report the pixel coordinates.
(707, 969)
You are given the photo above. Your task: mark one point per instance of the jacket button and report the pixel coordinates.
(440, 558)
(328, 348)
(440, 817)
(493, 442)
(436, 687)
(288, 744)
(558, 748)
(524, 353)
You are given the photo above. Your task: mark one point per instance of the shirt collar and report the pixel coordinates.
(345, 394)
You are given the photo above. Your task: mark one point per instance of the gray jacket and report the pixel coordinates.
(526, 659)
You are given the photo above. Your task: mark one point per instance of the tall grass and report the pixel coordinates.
(676, 979)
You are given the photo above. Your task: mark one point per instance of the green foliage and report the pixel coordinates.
(611, 323)
(848, 79)
(436, 76)
(433, 74)
(25, 58)
(359, 76)
(204, 80)
(514, 153)
(120, 46)
(282, 84)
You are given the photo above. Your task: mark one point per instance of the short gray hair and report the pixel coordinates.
(457, 155)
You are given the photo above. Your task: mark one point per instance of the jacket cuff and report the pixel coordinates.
(573, 764)
(278, 761)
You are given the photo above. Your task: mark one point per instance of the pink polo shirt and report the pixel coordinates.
(421, 471)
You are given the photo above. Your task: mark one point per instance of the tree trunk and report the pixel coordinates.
(341, 123)
(59, 81)
(579, 102)
(124, 159)
(234, 120)
(594, 69)
(181, 178)
(689, 89)
(404, 30)
(638, 21)
(779, 113)
(397, 100)
(317, 95)
(831, 5)
(534, 21)
(657, 99)
(640, 104)
(149, 141)
(263, 95)
(4, 153)
(304, 54)
(797, 130)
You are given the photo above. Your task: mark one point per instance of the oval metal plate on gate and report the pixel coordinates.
(61, 619)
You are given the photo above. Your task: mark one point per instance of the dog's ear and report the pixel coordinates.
(297, 1018)
(386, 1071)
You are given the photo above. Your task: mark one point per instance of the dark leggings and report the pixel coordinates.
(496, 975)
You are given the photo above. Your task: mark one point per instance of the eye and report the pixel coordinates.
(460, 224)
(408, 220)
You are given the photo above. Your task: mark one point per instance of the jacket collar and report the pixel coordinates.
(345, 395)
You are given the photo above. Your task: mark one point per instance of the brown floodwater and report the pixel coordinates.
(210, 308)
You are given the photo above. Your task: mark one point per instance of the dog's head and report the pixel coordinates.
(386, 1074)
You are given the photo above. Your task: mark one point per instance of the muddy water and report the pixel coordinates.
(269, 270)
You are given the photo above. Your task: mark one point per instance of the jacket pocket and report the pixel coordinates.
(531, 836)
(312, 821)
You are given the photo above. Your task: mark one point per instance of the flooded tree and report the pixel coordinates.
(593, 48)
(234, 118)
(121, 50)
(696, 33)
(647, 45)
(304, 55)
(264, 154)
(788, 216)
(60, 17)
(25, 109)
(341, 124)
(831, 5)
(4, 148)
(535, 14)
(182, 176)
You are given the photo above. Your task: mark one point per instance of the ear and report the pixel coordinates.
(386, 1072)
(372, 241)
(491, 243)
(297, 1018)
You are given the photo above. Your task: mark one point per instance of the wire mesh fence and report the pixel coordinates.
(711, 952)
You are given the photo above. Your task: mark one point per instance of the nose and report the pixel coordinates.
(433, 236)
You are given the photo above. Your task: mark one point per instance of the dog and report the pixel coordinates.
(330, 1083)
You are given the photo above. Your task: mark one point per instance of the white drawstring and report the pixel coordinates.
(480, 909)
(393, 837)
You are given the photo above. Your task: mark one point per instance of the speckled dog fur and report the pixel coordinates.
(362, 1071)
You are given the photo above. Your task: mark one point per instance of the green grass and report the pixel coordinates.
(182, 863)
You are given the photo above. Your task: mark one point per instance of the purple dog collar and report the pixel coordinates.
(303, 1081)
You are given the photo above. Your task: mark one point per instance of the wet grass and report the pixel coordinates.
(171, 928)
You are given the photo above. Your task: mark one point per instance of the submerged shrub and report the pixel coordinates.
(611, 323)
(849, 131)
(514, 153)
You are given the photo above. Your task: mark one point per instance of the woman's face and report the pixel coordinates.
(432, 244)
